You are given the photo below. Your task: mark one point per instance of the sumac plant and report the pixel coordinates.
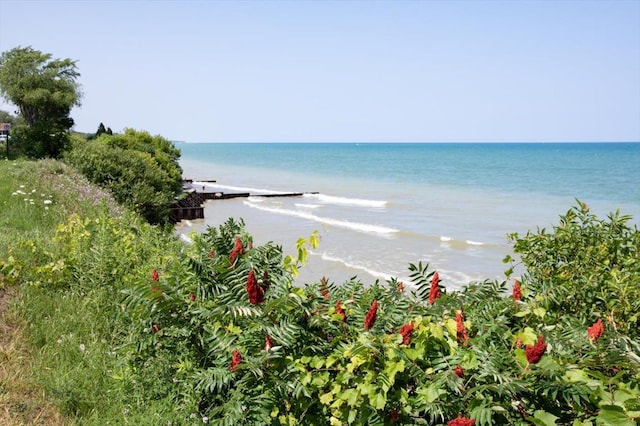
(236, 342)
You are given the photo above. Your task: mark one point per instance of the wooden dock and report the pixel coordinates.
(190, 205)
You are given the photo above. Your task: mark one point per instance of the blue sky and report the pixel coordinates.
(331, 71)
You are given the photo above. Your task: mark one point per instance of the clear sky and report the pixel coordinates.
(306, 71)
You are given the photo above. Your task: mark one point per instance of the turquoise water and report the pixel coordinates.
(381, 206)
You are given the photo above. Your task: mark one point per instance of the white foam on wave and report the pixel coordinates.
(185, 238)
(375, 274)
(448, 241)
(360, 227)
(330, 199)
(236, 188)
(307, 206)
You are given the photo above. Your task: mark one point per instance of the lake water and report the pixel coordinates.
(381, 206)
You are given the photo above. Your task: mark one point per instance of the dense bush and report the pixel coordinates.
(226, 334)
(41, 140)
(141, 170)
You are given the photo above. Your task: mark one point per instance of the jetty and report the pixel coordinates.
(190, 204)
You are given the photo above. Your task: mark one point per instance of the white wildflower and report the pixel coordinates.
(82, 347)
(205, 420)
(48, 202)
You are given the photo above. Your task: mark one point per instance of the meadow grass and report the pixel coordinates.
(58, 334)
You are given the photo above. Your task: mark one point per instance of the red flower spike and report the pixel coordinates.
(155, 328)
(458, 371)
(235, 360)
(394, 415)
(370, 318)
(192, 297)
(595, 331)
(461, 331)
(341, 311)
(400, 287)
(238, 250)
(461, 421)
(154, 275)
(535, 352)
(324, 289)
(406, 331)
(434, 293)
(255, 293)
(519, 343)
(212, 253)
(517, 291)
(268, 343)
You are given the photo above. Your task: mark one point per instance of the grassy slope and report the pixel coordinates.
(34, 198)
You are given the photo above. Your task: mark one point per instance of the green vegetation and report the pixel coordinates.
(141, 171)
(44, 90)
(130, 326)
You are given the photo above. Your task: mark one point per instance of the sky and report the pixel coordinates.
(345, 71)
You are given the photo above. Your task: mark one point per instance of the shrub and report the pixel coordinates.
(40, 140)
(290, 357)
(141, 170)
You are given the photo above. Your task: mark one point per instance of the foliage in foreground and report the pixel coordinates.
(142, 171)
(241, 344)
(216, 332)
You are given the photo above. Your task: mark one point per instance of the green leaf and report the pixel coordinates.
(436, 331)
(613, 415)
(391, 368)
(521, 357)
(326, 398)
(379, 401)
(314, 240)
(539, 312)
(542, 418)
(431, 393)
(350, 396)
(452, 326)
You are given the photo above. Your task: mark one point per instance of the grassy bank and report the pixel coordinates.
(34, 198)
(60, 310)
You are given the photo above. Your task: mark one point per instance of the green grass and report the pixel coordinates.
(65, 250)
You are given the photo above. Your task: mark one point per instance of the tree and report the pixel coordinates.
(7, 117)
(101, 130)
(44, 90)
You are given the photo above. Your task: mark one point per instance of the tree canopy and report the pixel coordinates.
(44, 90)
